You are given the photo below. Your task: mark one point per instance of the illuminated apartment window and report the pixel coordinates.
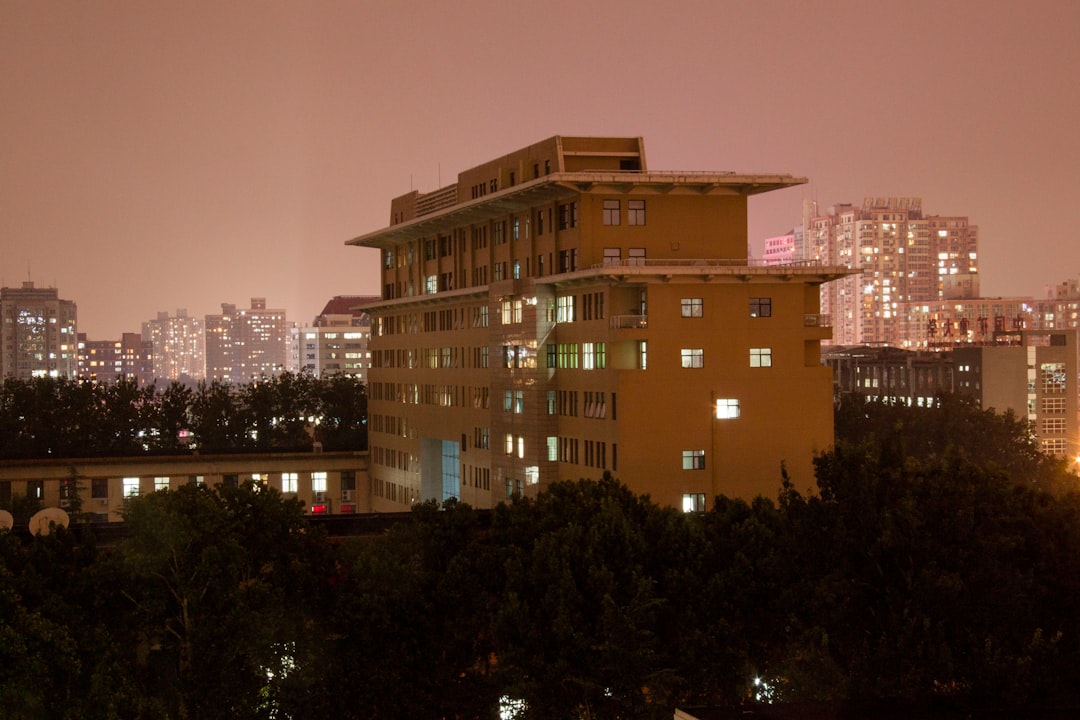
(727, 409)
(693, 502)
(196, 480)
(550, 402)
(519, 401)
(612, 211)
(692, 307)
(760, 307)
(288, 482)
(588, 356)
(131, 487)
(509, 444)
(760, 357)
(161, 483)
(693, 459)
(318, 482)
(552, 448)
(643, 354)
(565, 308)
(693, 357)
(508, 400)
(635, 212)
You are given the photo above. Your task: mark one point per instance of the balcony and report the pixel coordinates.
(629, 322)
(810, 320)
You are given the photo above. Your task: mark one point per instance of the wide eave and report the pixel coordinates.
(562, 186)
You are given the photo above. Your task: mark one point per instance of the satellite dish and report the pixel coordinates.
(42, 521)
(6, 520)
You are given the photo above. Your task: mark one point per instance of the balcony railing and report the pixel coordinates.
(810, 320)
(628, 322)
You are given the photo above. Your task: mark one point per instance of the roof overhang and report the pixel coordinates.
(563, 186)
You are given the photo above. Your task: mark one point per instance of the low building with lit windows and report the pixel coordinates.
(563, 311)
(336, 343)
(329, 483)
(107, 361)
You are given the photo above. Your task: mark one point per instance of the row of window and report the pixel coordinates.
(695, 357)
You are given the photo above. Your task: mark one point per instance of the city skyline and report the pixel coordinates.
(164, 157)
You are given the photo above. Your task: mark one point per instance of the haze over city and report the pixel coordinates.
(163, 156)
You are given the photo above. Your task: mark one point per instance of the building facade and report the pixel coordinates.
(106, 361)
(331, 483)
(244, 344)
(179, 346)
(39, 334)
(562, 311)
(336, 343)
(902, 255)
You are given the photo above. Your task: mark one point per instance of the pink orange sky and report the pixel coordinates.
(166, 154)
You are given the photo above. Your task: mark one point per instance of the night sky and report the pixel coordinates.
(158, 155)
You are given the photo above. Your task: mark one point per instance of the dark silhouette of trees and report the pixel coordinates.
(925, 571)
(60, 418)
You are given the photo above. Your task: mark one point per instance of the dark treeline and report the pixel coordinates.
(937, 564)
(57, 417)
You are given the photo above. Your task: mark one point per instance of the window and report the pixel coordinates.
(760, 307)
(288, 482)
(519, 401)
(588, 356)
(35, 489)
(131, 487)
(552, 448)
(635, 256)
(643, 354)
(612, 210)
(693, 459)
(565, 307)
(161, 483)
(612, 256)
(99, 488)
(693, 358)
(693, 502)
(760, 357)
(318, 482)
(692, 307)
(1053, 426)
(727, 408)
(635, 212)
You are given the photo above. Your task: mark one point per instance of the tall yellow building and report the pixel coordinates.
(562, 311)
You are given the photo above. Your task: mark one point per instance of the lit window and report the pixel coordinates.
(643, 354)
(288, 482)
(161, 483)
(509, 444)
(611, 212)
(693, 459)
(693, 502)
(693, 358)
(131, 487)
(552, 448)
(760, 307)
(318, 482)
(635, 212)
(760, 357)
(692, 307)
(727, 408)
(588, 356)
(565, 307)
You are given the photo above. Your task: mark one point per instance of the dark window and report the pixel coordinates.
(348, 479)
(99, 488)
(761, 307)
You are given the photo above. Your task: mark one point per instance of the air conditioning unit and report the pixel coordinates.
(103, 502)
(346, 495)
(320, 497)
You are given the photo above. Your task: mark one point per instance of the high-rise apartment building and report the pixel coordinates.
(179, 346)
(903, 256)
(563, 311)
(39, 336)
(245, 344)
(106, 361)
(336, 343)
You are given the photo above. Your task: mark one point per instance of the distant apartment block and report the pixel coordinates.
(179, 346)
(336, 343)
(39, 336)
(902, 256)
(562, 311)
(244, 344)
(106, 361)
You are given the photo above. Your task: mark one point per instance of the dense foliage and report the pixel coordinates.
(927, 569)
(59, 418)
